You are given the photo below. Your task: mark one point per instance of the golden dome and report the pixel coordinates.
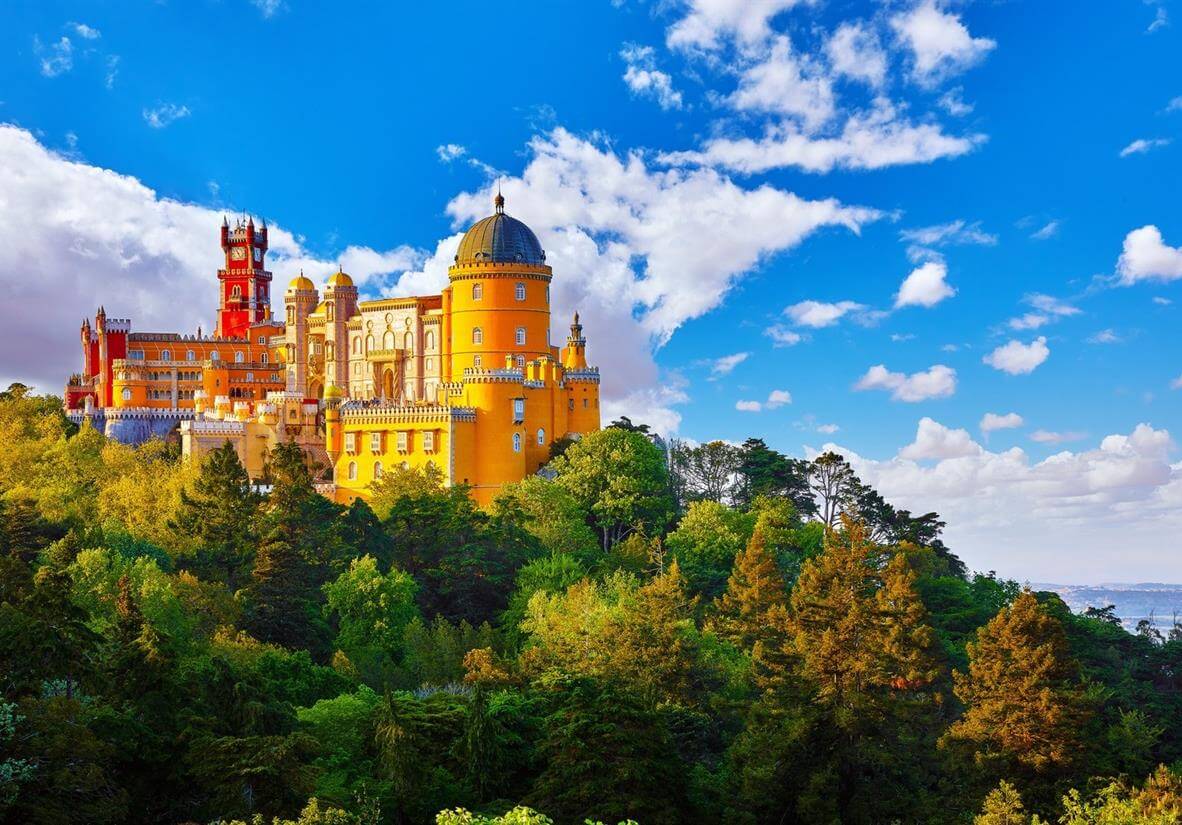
(300, 282)
(332, 390)
(339, 278)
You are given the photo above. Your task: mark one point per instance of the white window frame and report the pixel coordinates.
(403, 441)
(519, 291)
(520, 336)
(428, 441)
(375, 443)
(516, 442)
(352, 471)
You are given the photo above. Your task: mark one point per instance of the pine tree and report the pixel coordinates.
(1003, 806)
(219, 513)
(1025, 702)
(755, 595)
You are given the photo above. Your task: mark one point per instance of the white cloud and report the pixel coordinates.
(786, 84)
(782, 336)
(112, 71)
(645, 80)
(817, 314)
(1175, 104)
(1143, 145)
(939, 42)
(1029, 320)
(991, 422)
(1049, 230)
(828, 429)
(923, 241)
(868, 140)
(1017, 358)
(1161, 301)
(778, 398)
(1176, 384)
(748, 406)
(938, 381)
(854, 51)
(1146, 257)
(952, 103)
(86, 32)
(899, 337)
(165, 115)
(1105, 336)
(268, 8)
(708, 24)
(1022, 518)
(1050, 437)
(925, 286)
(1048, 309)
(448, 152)
(935, 441)
(85, 236)
(727, 363)
(56, 58)
(1161, 17)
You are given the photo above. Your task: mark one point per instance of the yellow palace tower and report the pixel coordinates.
(467, 380)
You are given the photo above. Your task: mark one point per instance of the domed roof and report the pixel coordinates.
(332, 391)
(339, 278)
(500, 239)
(300, 282)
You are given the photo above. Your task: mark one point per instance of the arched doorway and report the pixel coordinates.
(315, 391)
(388, 385)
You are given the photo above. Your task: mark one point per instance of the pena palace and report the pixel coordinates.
(466, 380)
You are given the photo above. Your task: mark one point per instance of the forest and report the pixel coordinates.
(641, 633)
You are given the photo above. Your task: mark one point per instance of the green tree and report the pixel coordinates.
(551, 514)
(705, 544)
(219, 512)
(764, 472)
(704, 472)
(372, 611)
(751, 610)
(619, 477)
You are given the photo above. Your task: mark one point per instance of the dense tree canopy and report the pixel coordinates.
(717, 634)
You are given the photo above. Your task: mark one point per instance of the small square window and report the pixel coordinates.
(403, 441)
(375, 442)
(429, 441)
(518, 410)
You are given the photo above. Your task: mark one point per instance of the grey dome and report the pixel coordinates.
(500, 239)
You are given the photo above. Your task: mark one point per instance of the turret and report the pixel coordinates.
(332, 422)
(574, 357)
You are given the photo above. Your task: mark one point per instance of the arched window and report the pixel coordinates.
(408, 342)
(189, 356)
(541, 436)
(429, 340)
(352, 471)
(477, 335)
(126, 394)
(328, 310)
(291, 315)
(236, 292)
(519, 291)
(357, 345)
(521, 336)
(477, 292)
(388, 340)
(370, 343)
(239, 357)
(215, 356)
(263, 358)
(377, 470)
(476, 361)
(330, 351)
(166, 355)
(516, 442)
(428, 364)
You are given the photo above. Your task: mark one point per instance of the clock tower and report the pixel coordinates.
(244, 288)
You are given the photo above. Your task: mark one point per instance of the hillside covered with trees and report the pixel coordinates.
(723, 634)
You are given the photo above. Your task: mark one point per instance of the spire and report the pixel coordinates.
(249, 222)
(499, 200)
(225, 221)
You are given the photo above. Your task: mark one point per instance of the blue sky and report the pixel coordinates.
(862, 225)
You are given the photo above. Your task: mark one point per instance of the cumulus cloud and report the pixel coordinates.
(775, 400)
(645, 80)
(991, 422)
(925, 286)
(447, 152)
(1017, 358)
(875, 139)
(788, 84)
(708, 24)
(935, 441)
(1008, 513)
(818, 314)
(938, 381)
(939, 42)
(86, 32)
(165, 115)
(748, 406)
(1147, 257)
(1142, 146)
(828, 429)
(855, 52)
(83, 236)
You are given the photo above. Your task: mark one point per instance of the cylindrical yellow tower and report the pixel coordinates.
(500, 296)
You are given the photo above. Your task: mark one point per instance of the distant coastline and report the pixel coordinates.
(1157, 601)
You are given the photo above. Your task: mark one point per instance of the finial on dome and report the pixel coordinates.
(576, 318)
(499, 200)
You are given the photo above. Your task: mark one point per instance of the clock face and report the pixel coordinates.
(238, 253)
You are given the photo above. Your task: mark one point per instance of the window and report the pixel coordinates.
(477, 335)
(388, 340)
(516, 442)
(429, 340)
(519, 291)
(290, 315)
(330, 351)
(263, 358)
(518, 410)
(352, 471)
(236, 292)
(541, 436)
(584, 403)
(408, 342)
(476, 361)
(239, 357)
(166, 355)
(370, 343)
(126, 394)
(375, 442)
(250, 376)
(403, 441)
(136, 355)
(328, 311)
(357, 345)
(429, 441)
(351, 442)
(262, 340)
(477, 292)
(428, 364)
(521, 336)
(377, 470)
(214, 356)
(520, 360)
(190, 355)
